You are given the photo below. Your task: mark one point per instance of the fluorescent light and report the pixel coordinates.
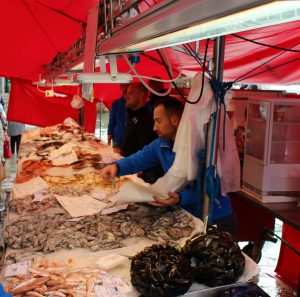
(230, 18)
(119, 78)
(266, 15)
(56, 83)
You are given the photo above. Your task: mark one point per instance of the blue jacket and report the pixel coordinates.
(159, 152)
(117, 122)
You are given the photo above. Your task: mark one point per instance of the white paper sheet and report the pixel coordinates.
(34, 185)
(113, 209)
(80, 206)
(100, 194)
(40, 196)
(65, 159)
(112, 281)
(63, 150)
(135, 191)
(60, 171)
(71, 123)
(107, 262)
(101, 291)
(20, 268)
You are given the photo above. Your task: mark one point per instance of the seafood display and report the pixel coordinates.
(75, 180)
(32, 168)
(161, 271)
(216, 257)
(49, 233)
(40, 226)
(30, 205)
(70, 190)
(55, 281)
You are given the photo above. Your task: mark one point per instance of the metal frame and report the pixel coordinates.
(171, 16)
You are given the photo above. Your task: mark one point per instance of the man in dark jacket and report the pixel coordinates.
(117, 120)
(139, 127)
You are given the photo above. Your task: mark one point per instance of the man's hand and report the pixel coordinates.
(109, 171)
(117, 150)
(173, 199)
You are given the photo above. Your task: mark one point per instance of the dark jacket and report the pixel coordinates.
(117, 122)
(138, 133)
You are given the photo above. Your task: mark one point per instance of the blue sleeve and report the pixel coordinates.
(111, 122)
(190, 200)
(4, 293)
(144, 159)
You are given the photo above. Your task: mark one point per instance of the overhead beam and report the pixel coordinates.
(161, 25)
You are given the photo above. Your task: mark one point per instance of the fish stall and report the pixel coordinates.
(65, 235)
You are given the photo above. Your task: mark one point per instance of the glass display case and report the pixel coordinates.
(272, 149)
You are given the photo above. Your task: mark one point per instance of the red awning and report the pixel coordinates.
(34, 31)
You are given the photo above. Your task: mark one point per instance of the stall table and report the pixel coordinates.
(289, 213)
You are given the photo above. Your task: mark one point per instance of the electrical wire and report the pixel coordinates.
(144, 83)
(148, 4)
(170, 75)
(203, 74)
(275, 67)
(250, 73)
(158, 79)
(197, 58)
(266, 45)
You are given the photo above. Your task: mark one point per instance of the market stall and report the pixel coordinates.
(61, 216)
(63, 235)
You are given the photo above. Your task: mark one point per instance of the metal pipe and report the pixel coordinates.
(213, 129)
(219, 53)
(105, 17)
(197, 46)
(111, 16)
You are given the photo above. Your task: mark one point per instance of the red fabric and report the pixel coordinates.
(90, 115)
(242, 56)
(30, 106)
(34, 31)
(6, 149)
(288, 265)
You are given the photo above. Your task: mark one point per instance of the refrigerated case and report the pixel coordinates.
(272, 149)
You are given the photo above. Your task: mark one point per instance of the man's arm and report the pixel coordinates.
(143, 159)
(140, 161)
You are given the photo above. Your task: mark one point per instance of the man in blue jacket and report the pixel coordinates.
(167, 115)
(117, 120)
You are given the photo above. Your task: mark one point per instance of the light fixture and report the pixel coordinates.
(103, 76)
(97, 77)
(181, 21)
(57, 82)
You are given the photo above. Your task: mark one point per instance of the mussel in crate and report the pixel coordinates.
(161, 271)
(216, 258)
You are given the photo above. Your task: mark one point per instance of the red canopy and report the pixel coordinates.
(34, 31)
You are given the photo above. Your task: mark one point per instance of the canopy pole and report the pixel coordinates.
(212, 137)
